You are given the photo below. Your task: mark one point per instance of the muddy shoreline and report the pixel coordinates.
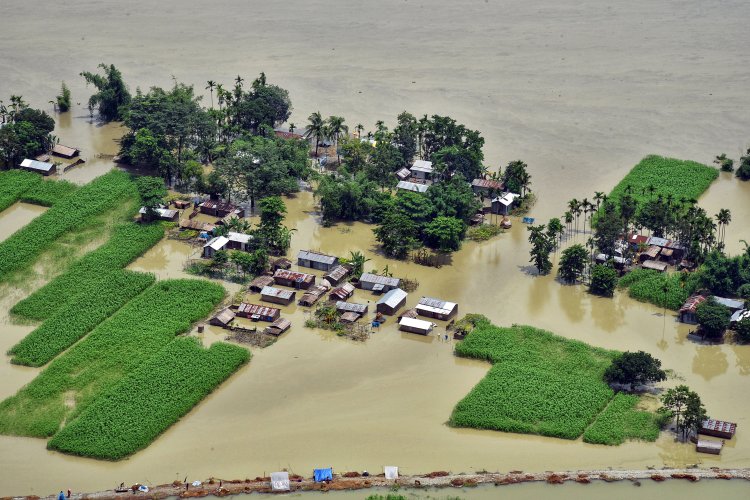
(439, 479)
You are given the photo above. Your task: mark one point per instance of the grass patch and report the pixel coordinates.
(114, 349)
(539, 383)
(680, 179)
(13, 183)
(621, 421)
(47, 192)
(483, 232)
(648, 285)
(155, 395)
(69, 214)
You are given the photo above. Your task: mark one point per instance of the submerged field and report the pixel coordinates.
(544, 384)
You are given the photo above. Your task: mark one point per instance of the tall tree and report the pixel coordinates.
(337, 128)
(572, 263)
(112, 97)
(541, 247)
(316, 127)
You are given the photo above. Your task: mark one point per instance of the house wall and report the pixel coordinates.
(278, 300)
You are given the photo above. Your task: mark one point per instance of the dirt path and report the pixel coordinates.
(353, 481)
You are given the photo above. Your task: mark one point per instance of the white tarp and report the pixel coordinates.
(196, 483)
(280, 481)
(391, 472)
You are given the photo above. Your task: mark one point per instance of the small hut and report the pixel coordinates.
(39, 167)
(718, 428)
(315, 260)
(223, 318)
(403, 174)
(391, 302)
(65, 151)
(257, 312)
(214, 245)
(651, 253)
(281, 263)
(436, 308)
(655, 265)
(413, 325)
(300, 281)
(238, 241)
(377, 283)
(259, 283)
(687, 311)
(709, 446)
(503, 204)
(486, 186)
(350, 317)
(216, 208)
(278, 327)
(422, 170)
(313, 295)
(343, 292)
(277, 295)
(165, 214)
(337, 275)
(343, 307)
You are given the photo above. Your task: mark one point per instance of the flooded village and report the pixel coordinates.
(357, 313)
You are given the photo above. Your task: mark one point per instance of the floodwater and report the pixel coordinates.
(16, 216)
(580, 90)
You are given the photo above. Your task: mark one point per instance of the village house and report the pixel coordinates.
(300, 281)
(733, 305)
(260, 283)
(223, 318)
(315, 260)
(436, 308)
(412, 186)
(413, 325)
(403, 174)
(65, 151)
(636, 241)
(281, 263)
(391, 302)
(216, 208)
(277, 295)
(422, 170)
(377, 283)
(278, 327)
(503, 204)
(215, 244)
(165, 214)
(238, 241)
(350, 311)
(195, 225)
(687, 311)
(343, 292)
(718, 428)
(258, 312)
(486, 186)
(337, 275)
(39, 167)
(655, 265)
(312, 295)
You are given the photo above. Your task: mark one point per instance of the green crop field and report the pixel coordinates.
(114, 349)
(648, 285)
(136, 410)
(539, 383)
(70, 213)
(19, 185)
(621, 421)
(678, 179)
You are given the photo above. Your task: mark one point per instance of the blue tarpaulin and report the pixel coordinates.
(321, 475)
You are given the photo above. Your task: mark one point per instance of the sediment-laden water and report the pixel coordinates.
(579, 90)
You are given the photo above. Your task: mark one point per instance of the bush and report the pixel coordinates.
(743, 330)
(621, 421)
(483, 232)
(144, 403)
(603, 281)
(712, 317)
(648, 285)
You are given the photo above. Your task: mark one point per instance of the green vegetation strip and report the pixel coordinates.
(114, 349)
(540, 383)
(150, 399)
(13, 183)
(648, 285)
(669, 177)
(72, 212)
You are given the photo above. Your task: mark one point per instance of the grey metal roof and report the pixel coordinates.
(377, 279)
(351, 307)
(270, 291)
(42, 166)
(422, 166)
(730, 303)
(393, 297)
(316, 257)
(412, 186)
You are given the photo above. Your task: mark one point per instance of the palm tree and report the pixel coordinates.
(574, 207)
(210, 86)
(359, 128)
(315, 128)
(568, 217)
(357, 261)
(585, 204)
(291, 128)
(336, 127)
(220, 93)
(598, 195)
(724, 217)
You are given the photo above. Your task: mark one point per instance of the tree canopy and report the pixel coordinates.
(634, 368)
(712, 317)
(112, 96)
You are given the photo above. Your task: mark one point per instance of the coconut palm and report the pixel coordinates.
(336, 127)
(575, 208)
(291, 128)
(210, 86)
(724, 217)
(315, 128)
(568, 217)
(359, 128)
(598, 195)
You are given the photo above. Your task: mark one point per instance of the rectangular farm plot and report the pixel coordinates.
(539, 384)
(155, 395)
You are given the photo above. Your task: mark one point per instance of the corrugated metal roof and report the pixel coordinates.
(351, 307)
(404, 173)
(64, 151)
(316, 257)
(488, 183)
(437, 303)
(393, 297)
(251, 309)
(217, 243)
(225, 316)
(270, 291)
(377, 279)
(415, 323)
(37, 165)
(655, 265)
(292, 275)
(506, 199)
(338, 272)
(730, 303)
(412, 186)
(218, 205)
(662, 242)
(422, 166)
(239, 237)
(692, 303)
(719, 426)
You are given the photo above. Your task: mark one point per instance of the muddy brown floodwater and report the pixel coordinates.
(581, 90)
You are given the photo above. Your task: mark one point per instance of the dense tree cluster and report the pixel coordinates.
(25, 132)
(685, 407)
(633, 369)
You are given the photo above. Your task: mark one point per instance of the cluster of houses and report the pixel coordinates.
(736, 307)
(42, 164)
(282, 286)
(420, 176)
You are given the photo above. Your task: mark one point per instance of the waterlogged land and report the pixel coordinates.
(314, 399)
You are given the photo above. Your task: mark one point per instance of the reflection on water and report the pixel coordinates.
(710, 361)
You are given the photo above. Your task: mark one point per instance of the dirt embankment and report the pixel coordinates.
(354, 481)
